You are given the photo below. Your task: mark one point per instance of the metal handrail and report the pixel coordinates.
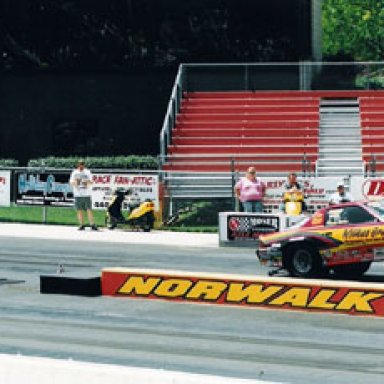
(172, 110)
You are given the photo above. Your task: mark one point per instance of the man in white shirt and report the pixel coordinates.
(340, 196)
(81, 181)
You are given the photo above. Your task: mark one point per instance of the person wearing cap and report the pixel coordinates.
(340, 196)
(250, 190)
(81, 181)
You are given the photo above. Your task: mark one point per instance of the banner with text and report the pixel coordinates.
(5, 188)
(142, 186)
(338, 297)
(46, 188)
(53, 189)
(317, 191)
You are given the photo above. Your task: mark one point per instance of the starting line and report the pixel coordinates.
(343, 297)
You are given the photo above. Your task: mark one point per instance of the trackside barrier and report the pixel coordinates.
(338, 297)
(36, 370)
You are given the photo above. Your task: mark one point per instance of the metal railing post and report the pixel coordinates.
(172, 110)
(304, 165)
(373, 166)
(233, 182)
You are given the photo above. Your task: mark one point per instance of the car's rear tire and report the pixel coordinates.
(303, 261)
(351, 270)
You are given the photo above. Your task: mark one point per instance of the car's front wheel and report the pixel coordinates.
(303, 261)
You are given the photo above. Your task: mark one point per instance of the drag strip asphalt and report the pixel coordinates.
(269, 345)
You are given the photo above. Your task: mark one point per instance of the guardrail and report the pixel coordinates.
(171, 114)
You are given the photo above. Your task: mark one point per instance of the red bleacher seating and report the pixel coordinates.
(372, 123)
(271, 130)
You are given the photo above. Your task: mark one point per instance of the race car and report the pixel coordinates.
(344, 238)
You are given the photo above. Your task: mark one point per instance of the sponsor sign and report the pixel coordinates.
(246, 291)
(317, 191)
(251, 226)
(5, 188)
(373, 189)
(47, 188)
(142, 186)
(53, 189)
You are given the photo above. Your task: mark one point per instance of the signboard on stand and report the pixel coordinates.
(5, 188)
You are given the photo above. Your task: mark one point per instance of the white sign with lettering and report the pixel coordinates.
(142, 186)
(5, 188)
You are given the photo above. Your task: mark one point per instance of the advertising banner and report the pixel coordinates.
(46, 188)
(142, 186)
(336, 297)
(317, 191)
(367, 189)
(5, 188)
(53, 189)
(243, 226)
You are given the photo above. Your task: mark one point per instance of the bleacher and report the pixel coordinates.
(217, 134)
(372, 129)
(270, 130)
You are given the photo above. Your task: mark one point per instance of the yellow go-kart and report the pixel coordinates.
(293, 202)
(141, 216)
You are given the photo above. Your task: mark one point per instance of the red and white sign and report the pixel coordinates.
(144, 186)
(5, 188)
(373, 189)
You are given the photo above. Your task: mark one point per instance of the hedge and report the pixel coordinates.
(8, 163)
(110, 162)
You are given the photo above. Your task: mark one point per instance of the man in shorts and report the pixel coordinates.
(81, 181)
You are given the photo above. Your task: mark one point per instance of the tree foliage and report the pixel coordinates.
(353, 28)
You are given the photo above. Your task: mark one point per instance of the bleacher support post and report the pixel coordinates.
(304, 165)
(373, 166)
(233, 182)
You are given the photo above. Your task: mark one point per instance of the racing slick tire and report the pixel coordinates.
(303, 261)
(351, 270)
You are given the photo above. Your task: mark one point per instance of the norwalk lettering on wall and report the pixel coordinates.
(265, 294)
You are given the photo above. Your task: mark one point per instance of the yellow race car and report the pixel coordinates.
(344, 238)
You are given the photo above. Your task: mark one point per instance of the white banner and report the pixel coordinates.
(5, 188)
(316, 190)
(367, 189)
(144, 186)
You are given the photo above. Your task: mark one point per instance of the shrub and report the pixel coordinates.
(201, 213)
(110, 162)
(8, 163)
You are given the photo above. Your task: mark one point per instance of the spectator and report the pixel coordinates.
(340, 196)
(292, 185)
(81, 181)
(250, 190)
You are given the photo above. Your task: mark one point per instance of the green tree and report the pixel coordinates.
(354, 28)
